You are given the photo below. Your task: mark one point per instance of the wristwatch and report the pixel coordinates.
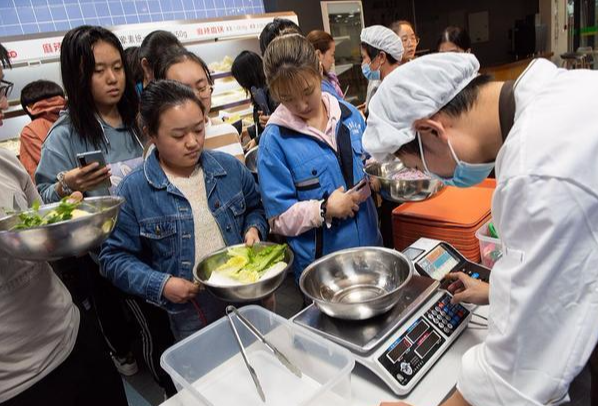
(65, 188)
(323, 209)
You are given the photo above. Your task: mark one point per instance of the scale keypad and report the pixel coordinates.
(410, 352)
(445, 316)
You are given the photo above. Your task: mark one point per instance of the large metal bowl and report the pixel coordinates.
(240, 293)
(63, 239)
(398, 190)
(251, 160)
(357, 283)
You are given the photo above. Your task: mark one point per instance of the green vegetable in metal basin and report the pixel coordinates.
(247, 266)
(66, 210)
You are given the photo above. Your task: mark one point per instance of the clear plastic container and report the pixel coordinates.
(208, 369)
(490, 247)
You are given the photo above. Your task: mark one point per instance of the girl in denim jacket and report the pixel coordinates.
(182, 204)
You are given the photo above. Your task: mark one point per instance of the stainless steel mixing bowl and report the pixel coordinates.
(251, 160)
(240, 293)
(398, 190)
(63, 239)
(357, 283)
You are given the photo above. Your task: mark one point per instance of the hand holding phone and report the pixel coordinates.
(92, 173)
(360, 185)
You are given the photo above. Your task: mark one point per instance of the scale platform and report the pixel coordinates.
(363, 336)
(401, 345)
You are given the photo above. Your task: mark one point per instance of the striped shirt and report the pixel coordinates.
(223, 137)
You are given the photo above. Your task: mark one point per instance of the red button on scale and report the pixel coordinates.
(441, 305)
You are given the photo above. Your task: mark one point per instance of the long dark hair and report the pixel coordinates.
(248, 70)
(132, 59)
(457, 36)
(175, 56)
(4, 57)
(77, 65)
(274, 29)
(159, 96)
(155, 44)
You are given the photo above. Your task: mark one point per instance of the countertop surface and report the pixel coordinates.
(369, 390)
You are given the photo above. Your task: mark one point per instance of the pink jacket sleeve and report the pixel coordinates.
(299, 218)
(303, 216)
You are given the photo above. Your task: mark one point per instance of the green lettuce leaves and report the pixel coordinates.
(248, 264)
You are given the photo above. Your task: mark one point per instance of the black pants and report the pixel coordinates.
(156, 336)
(86, 378)
(594, 377)
(120, 316)
(96, 296)
(385, 218)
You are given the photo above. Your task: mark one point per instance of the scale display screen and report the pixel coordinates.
(438, 262)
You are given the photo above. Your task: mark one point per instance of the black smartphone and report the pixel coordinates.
(259, 95)
(86, 158)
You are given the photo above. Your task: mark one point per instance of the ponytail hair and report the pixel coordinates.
(290, 62)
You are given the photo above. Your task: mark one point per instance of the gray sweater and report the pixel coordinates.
(60, 149)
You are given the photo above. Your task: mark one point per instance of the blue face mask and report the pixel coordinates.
(369, 73)
(465, 175)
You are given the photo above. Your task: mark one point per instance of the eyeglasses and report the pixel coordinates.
(205, 91)
(5, 88)
(413, 39)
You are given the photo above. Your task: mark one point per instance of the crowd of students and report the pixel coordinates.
(147, 109)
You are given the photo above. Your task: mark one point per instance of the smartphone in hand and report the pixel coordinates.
(87, 158)
(360, 185)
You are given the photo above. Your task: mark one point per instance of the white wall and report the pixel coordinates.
(21, 76)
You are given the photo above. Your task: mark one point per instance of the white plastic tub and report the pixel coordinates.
(209, 367)
(490, 247)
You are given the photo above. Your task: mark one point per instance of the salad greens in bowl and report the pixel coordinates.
(59, 230)
(241, 274)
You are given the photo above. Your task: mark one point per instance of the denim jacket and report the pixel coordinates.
(154, 236)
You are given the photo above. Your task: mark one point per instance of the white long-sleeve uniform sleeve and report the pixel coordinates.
(543, 322)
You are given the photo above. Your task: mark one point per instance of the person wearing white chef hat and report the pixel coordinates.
(437, 114)
(380, 44)
(381, 53)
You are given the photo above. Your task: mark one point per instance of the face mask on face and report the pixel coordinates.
(369, 73)
(465, 175)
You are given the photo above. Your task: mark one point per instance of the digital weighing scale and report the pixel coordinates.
(401, 345)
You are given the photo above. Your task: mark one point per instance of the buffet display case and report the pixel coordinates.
(217, 41)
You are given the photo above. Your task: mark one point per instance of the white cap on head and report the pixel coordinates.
(413, 91)
(384, 39)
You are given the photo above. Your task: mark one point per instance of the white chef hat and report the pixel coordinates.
(413, 91)
(384, 39)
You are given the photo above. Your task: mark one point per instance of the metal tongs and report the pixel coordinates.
(281, 357)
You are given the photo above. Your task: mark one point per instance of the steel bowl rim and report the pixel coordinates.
(430, 179)
(250, 151)
(367, 301)
(119, 202)
(223, 250)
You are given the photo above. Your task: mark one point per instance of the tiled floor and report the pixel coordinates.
(142, 391)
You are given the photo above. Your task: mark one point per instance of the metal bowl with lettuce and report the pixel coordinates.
(241, 274)
(58, 230)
